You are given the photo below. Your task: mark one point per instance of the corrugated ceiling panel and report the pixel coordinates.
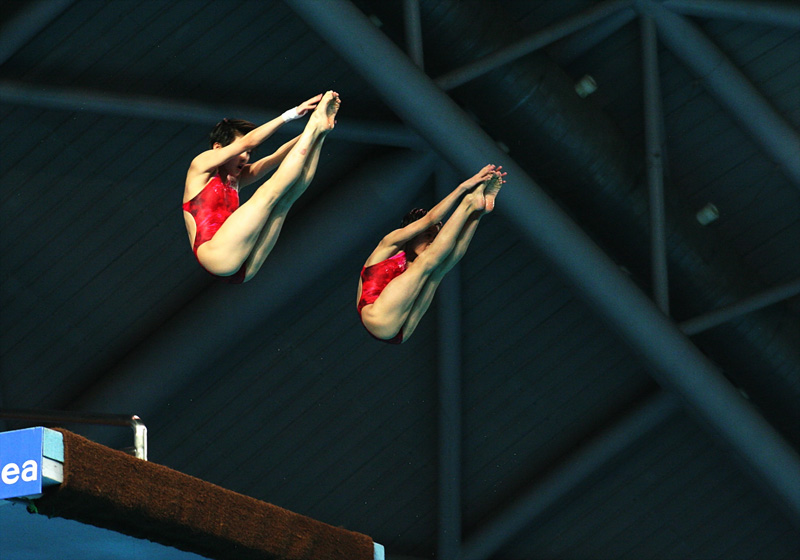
(617, 70)
(154, 49)
(540, 372)
(706, 162)
(537, 14)
(309, 412)
(716, 161)
(676, 495)
(712, 160)
(106, 215)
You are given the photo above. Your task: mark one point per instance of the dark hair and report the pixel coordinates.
(414, 215)
(225, 131)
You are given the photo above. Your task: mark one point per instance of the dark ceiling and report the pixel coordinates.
(603, 375)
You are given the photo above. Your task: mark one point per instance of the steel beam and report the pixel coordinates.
(670, 357)
(724, 81)
(413, 28)
(448, 308)
(565, 479)
(578, 44)
(766, 298)
(779, 14)
(163, 109)
(654, 144)
(531, 43)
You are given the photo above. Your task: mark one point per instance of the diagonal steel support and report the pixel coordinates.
(779, 14)
(731, 88)
(671, 358)
(753, 303)
(581, 42)
(574, 472)
(531, 43)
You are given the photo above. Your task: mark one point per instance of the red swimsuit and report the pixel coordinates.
(210, 208)
(374, 279)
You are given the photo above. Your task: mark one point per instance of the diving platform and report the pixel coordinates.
(61, 474)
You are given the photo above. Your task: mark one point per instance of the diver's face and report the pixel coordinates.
(422, 241)
(234, 166)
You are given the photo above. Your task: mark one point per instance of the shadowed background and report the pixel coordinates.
(521, 420)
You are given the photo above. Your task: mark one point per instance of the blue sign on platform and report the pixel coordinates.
(21, 460)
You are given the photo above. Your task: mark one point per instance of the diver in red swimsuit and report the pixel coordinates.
(375, 278)
(401, 275)
(232, 241)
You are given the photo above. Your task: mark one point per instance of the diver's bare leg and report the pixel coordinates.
(391, 310)
(272, 229)
(225, 253)
(425, 296)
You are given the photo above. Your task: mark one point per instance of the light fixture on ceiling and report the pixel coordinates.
(707, 214)
(585, 86)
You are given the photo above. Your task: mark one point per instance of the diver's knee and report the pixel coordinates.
(379, 327)
(219, 267)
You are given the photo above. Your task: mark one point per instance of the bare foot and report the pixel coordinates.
(477, 199)
(325, 113)
(480, 177)
(491, 188)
